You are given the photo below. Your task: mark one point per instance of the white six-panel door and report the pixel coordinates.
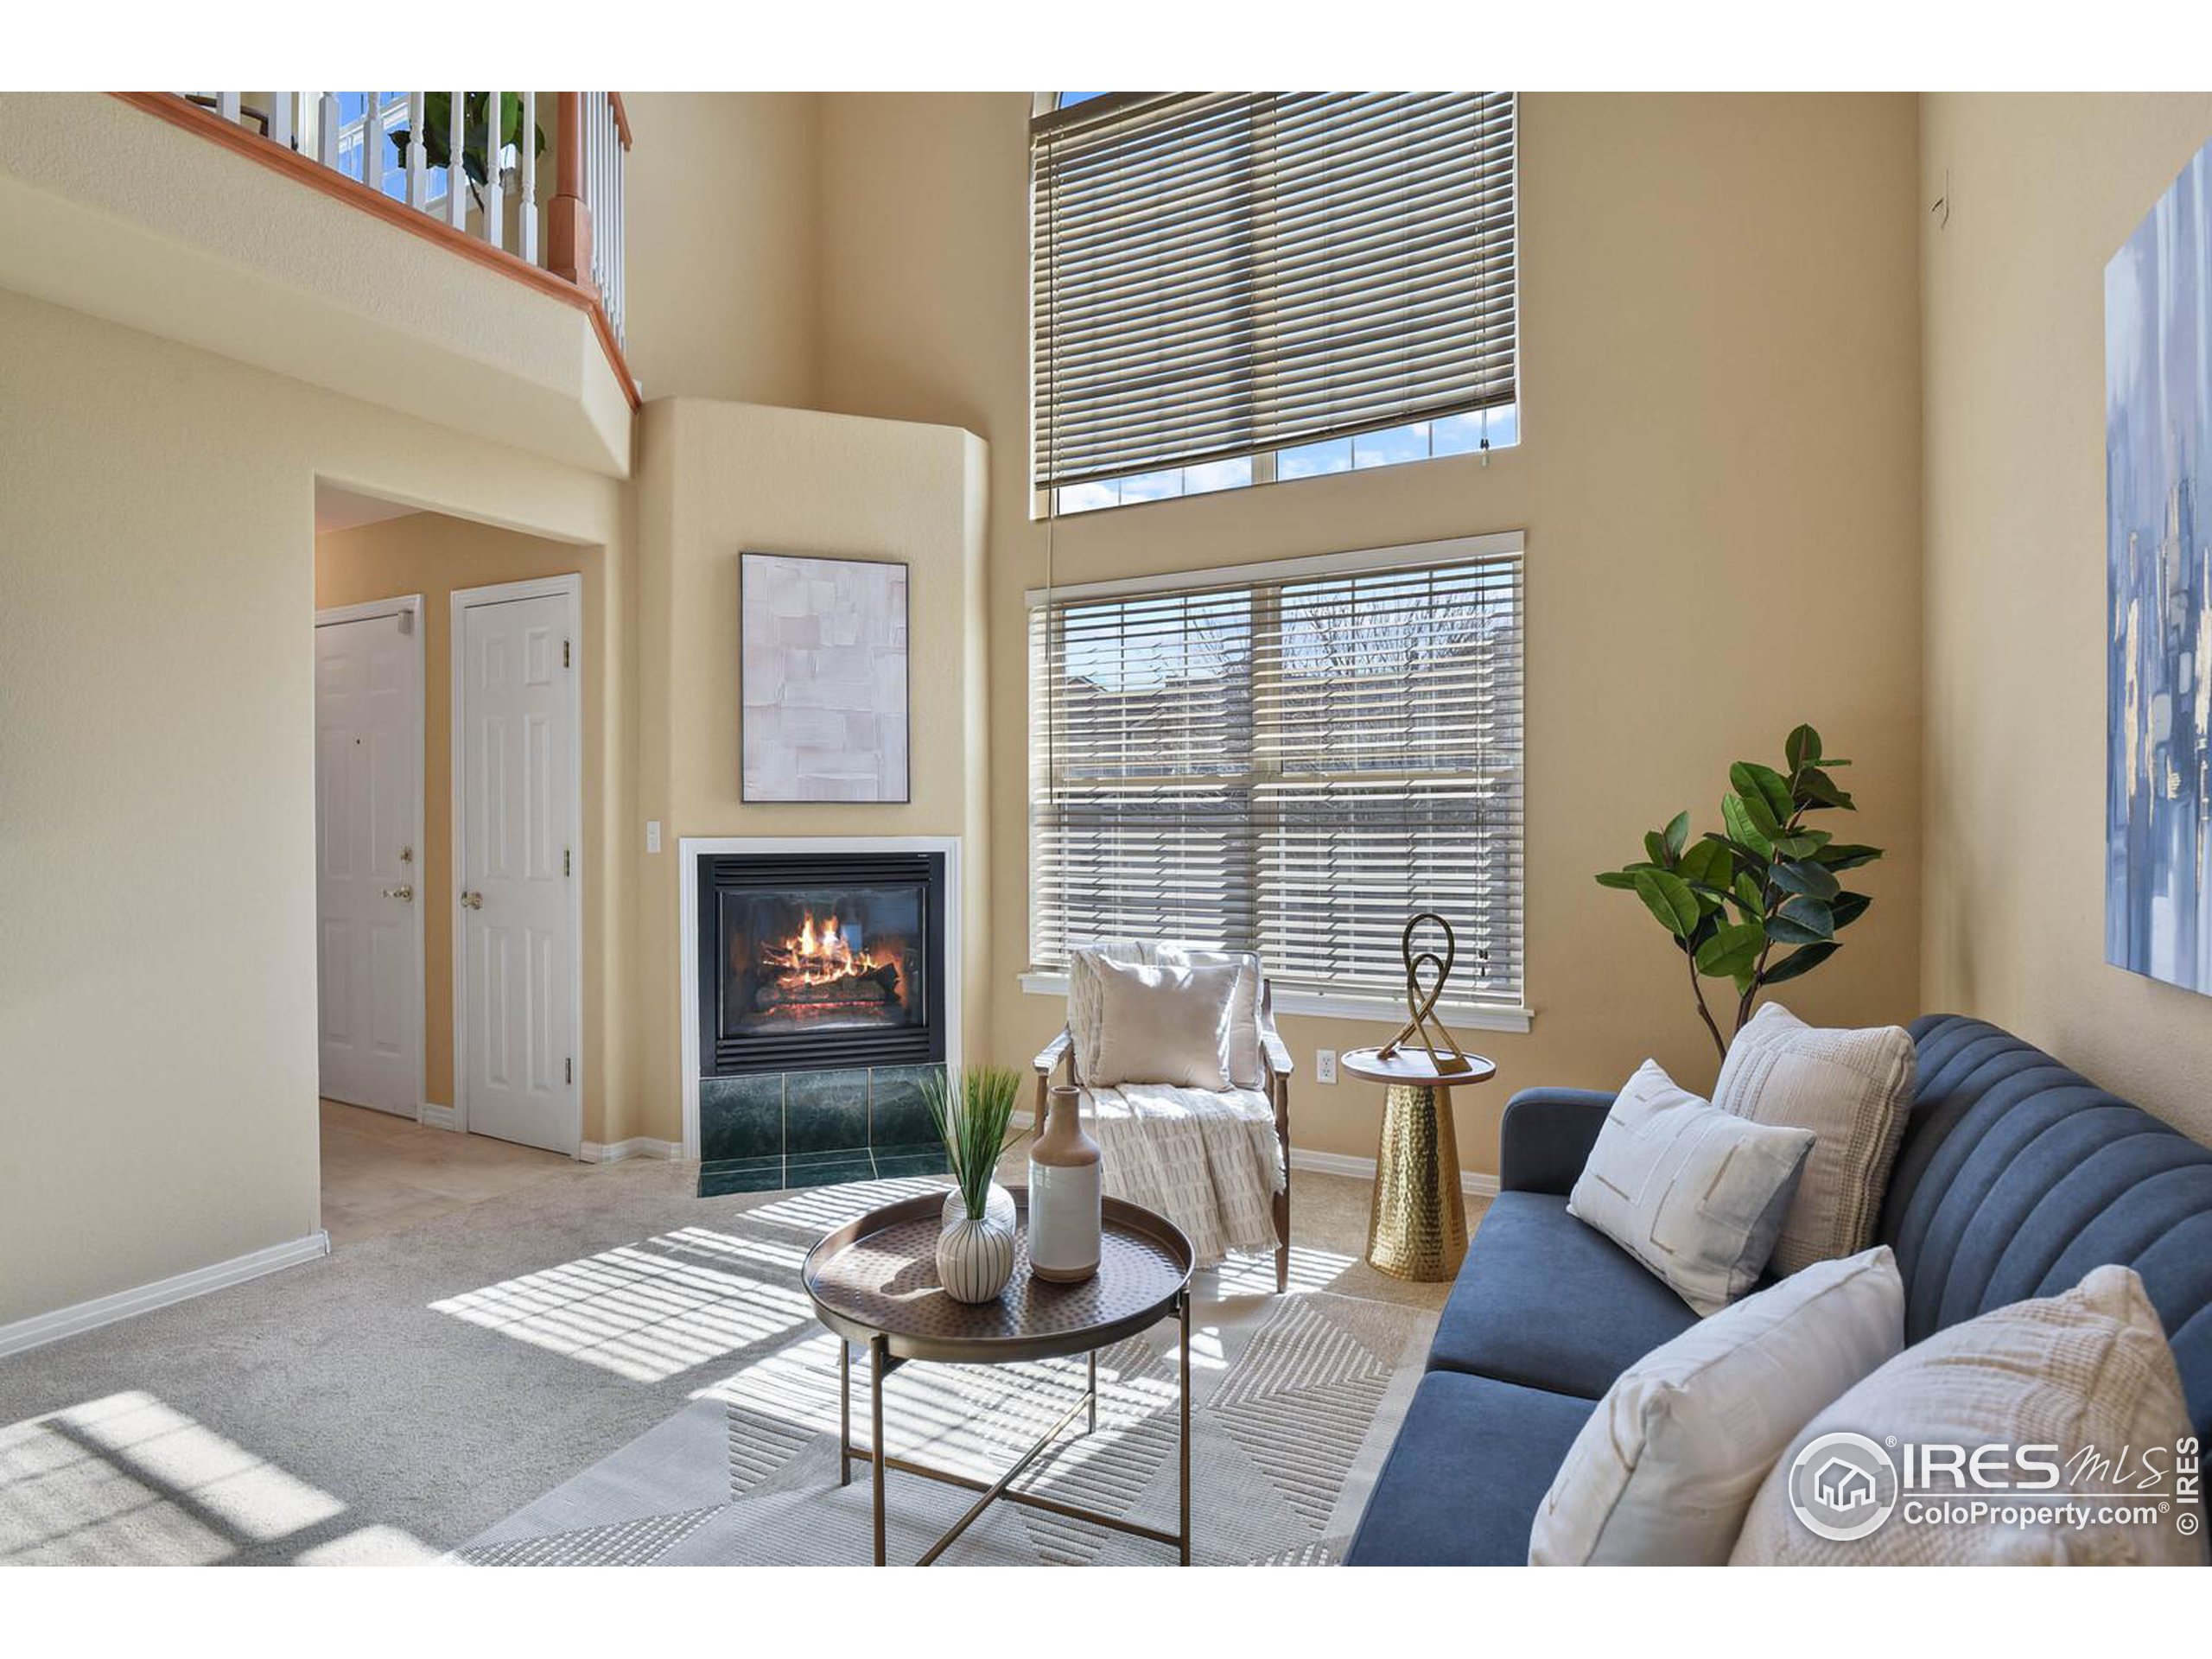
(517, 813)
(368, 713)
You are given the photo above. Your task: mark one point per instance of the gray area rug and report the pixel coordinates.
(1296, 1399)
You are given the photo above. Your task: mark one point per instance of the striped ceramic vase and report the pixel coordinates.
(975, 1258)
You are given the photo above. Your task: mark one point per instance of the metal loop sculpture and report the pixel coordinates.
(1423, 1022)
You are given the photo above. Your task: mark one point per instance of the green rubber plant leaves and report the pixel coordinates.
(1733, 950)
(1763, 785)
(1752, 827)
(1804, 958)
(1802, 748)
(1707, 863)
(1847, 855)
(1667, 896)
(1797, 875)
(1728, 897)
(1801, 920)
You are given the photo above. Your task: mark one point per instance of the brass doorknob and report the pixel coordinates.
(405, 895)
(473, 900)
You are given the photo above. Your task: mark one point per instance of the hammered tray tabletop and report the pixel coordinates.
(878, 1275)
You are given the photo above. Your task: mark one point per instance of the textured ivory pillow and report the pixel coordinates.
(1695, 1194)
(1662, 1472)
(2088, 1369)
(1853, 1089)
(1163, 1025)
(1244, 1071)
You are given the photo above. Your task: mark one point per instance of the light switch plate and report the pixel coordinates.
(1325, 1065)
(652, 835)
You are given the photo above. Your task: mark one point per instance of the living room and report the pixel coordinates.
(1116, 828)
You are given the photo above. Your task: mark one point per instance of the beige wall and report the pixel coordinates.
(716, 479)
(1720, 486)
(2042, 192)
(433, 554)
(720, 203)
(156, 851)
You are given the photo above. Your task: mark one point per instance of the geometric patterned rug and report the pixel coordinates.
(1295, 1399)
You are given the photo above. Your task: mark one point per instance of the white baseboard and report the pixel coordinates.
(435, 1116)
(1474, 1184)
(42, 1328)
(637, 1146)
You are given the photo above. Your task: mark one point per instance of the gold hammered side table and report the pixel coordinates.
(1418, 1227)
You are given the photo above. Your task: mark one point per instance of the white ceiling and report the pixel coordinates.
(342, 509)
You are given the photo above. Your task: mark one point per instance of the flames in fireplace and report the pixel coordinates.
(817, 970)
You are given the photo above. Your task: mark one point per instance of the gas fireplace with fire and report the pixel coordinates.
(812, 961)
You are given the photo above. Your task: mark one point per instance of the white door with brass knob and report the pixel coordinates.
(368, 717)
(517, 893)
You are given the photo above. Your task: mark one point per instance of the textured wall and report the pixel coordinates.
(157, 849)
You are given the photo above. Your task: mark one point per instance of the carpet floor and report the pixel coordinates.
(399, 1398)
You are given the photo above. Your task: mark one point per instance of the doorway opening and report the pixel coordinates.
(486, 884)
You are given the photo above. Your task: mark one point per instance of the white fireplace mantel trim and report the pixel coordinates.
(690, 849)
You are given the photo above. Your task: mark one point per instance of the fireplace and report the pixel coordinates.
(820, 960)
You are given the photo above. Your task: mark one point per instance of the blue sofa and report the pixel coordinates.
(2016, 1177)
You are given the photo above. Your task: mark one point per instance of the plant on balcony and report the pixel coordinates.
(475, 126)
(1767, 880)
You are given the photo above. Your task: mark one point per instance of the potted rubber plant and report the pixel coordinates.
(1767, 881)
(975, 1252)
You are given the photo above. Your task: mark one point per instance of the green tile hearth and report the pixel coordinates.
(721, 1178)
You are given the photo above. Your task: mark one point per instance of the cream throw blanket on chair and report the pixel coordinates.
(1208, 1160)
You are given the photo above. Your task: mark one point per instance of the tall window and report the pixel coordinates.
(1291, 759)
(1233, 287)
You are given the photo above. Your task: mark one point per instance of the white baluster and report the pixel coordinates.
(495, 193)
(617, 274)
(456, 174)
(280, 118)
(326, 129)
(527, 142)
(372, 141)
(226, 105)
(418, 150)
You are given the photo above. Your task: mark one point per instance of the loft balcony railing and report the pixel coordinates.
(543, 185)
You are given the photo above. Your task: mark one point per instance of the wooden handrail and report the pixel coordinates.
(180, 111)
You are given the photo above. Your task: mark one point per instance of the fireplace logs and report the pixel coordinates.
(818, 969)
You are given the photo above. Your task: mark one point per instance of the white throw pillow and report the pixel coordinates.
(1853, 1091)
(1163, 1025)
(1244, 1069)
(1695, 1194)
(1664, 1470)
(2088, 1370)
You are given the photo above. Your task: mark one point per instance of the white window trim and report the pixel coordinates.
(1475, 1016)
(1408, 555)
(1328, 1005)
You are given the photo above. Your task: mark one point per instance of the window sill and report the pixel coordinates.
(1471, 1016)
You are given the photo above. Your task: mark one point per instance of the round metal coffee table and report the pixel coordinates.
(873, 1282)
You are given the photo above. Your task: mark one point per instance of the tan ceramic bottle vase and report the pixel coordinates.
(1064, 1194)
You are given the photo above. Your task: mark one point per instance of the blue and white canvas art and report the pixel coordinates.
(2158, 554)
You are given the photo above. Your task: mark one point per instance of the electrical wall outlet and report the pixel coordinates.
(652, 835)
(1325, 1065)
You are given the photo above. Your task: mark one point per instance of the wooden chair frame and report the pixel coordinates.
(1275, 1069)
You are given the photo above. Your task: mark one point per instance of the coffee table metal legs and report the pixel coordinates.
(1183, 1529)
(880, 1364)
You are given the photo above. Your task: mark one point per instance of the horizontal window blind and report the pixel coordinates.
(1217, 273)
(1292, 766)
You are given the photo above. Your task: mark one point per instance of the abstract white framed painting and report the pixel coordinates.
(822, 679)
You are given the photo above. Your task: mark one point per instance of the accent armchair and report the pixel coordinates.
(1215, 1162)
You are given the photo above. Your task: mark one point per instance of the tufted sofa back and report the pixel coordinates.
(2017, 1177)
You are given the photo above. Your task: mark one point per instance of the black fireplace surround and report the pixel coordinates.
(811, 962)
